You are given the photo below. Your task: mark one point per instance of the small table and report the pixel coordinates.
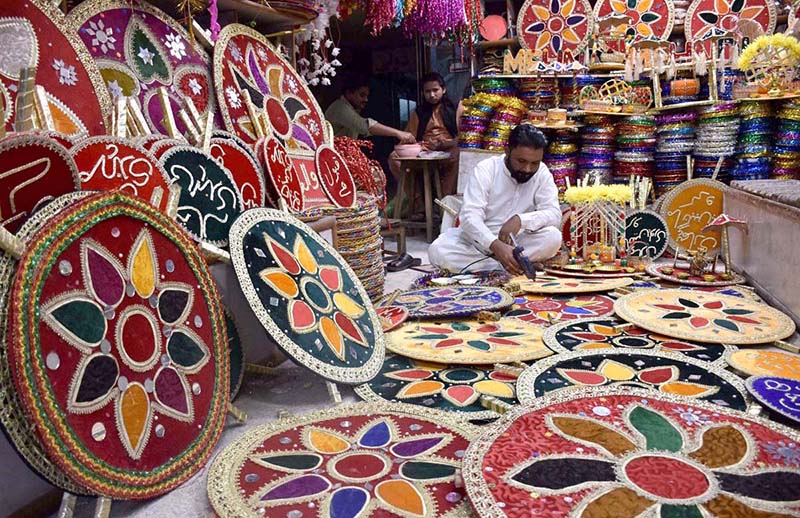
(430, 172)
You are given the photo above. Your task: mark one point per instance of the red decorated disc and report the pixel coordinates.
(164, 144)
(555, 26)
(704, 18)
(34, 33)
(335, 177)
(113, 164)
(117, 345)
(246, 172)
(281, 171)
(649, 18)
(33, 171)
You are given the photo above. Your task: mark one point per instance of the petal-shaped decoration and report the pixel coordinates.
(172, 394)
(437, 330)
(721, 7)
(574, 472)
(255, 72)
(104, 277)
(555, 42)
(567, 8)
(642, 6)
(725, 505)
(542, 40)
(333, 336)
(415, 447)
(304, 256)
(495, 388)
(594, 432)
(331, 277)
(733, 311)
(112, 71)
(480, 345)
(570, 35)
(658, 431)
(279, 281)
(680, 346)
(142, 265)
(715, 304)
(535, 28)
(582, 377)
(659, 375)
(575, 19)
(301, 135)
(541, 12)
(503, 376)
(461, 395)
(174, 302)
(603, 330)
(138, 338)
(275, 77)
(426, 471)
(409, 374)
(677, 315)
(621, 499)
(326, 442)
(350, 329)
(502, 341)
(78, 320)
(727, 324)
(616, 371)
(376, 435)
(698, 322)
(348, 502)
(187, 350)
(419, 389)
(680, 511)
(143, 49)
(294, 487)
(290, 462)
(644, 30)
(348, 306)
(619, 6)
(769, 486)
(95, 385)
(401, 496)
(708, 17)
(688, 303)
(669, 307)
(134, 418)
(294, 106)
(743, 320)
(282, 256)
(449, 342)
(751, 13)
(650, 17)
(685, 388)
(301, 317)
(721, 446)
(589, 336)
(19, 43)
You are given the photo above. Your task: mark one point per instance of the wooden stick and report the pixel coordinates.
(213, 254)
(169, 117)
(237, 413)
(26, 119)
(494, 404)
(135, 112)
(102, 508)
(209, 129)
(262, 370)
(173, 198)
(717, 168)
(333, 390)
(11, 244)
(67, 507)
(190, 127)
(192, 109)
(255, 120)
(157, 196)
(43, 108)
(120, 123)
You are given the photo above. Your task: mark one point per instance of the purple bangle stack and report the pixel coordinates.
(478, 111)
(538, 93)
(561, 157)
(786, 153)
(717, 135)
(675, 136)
(596, 157)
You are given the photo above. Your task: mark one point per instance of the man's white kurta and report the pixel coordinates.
(491, 198)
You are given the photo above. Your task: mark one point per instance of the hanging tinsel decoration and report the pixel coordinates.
(213, 10)
(434, 18)
(380, 15)
(189, 8)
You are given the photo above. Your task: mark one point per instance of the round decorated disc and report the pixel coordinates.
(335, 177)
(733, 291)
(391, 316)
(646, 233)
(366, 460)
(281, 173)
(452, 388)
(765, 363)
(306, 296)
(452, 301)
(35, 34)
(117, 347)
(665, 372)
(210, 201)
(469, 341)
(140, 49)
(552, 284)
(609, 332)
(33, 171)
(648, 18)
(544, 309)
(618, 452)
(114, 164)
(234, 156)
(781, 395)
(751, 17)
(555, 26)
(704, 317)
(657, 270)
(597, 273)
(687, 210)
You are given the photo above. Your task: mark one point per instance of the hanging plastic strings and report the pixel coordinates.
(435, 18)
(380, 15)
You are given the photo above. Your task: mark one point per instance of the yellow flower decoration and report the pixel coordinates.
(620, 194)
(778, 41)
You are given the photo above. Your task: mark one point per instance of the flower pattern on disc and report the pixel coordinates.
(649, 18)
(555, 26)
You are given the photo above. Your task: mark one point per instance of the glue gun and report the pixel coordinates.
(527, 266)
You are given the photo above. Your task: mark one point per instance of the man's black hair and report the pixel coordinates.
(353, 82)
(526, 135)
(425, 110)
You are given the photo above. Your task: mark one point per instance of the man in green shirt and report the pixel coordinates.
(344, 115)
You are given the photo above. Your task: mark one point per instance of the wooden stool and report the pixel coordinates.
(407, 187)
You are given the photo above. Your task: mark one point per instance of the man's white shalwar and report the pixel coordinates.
(492, 197)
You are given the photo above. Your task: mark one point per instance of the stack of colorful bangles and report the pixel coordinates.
(597, 147)
(539, 93)
(491, 85)
(570, 89)
(717, 135)
(636, 145)
(754, 158)
(561, 158)
(675, 135)
(508, 114)
(478, 111)
(786, 154)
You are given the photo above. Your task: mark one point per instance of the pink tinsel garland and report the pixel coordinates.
(434, 17)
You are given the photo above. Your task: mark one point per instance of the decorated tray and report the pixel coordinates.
(544, 309)
(281, 173)
(704, 317)
(734, 291)
(626, 452)
(553, 284)
(138, 50)
(391, 316)
(646, 234)
(235, 156)
(471, 342)
(366, 460)
(670, 274)
(765, 363)
(704, 17)
(116, 344)
(444, 278)
(34, 34)
(452, 388)
(687, 210)
(210, 200)
(306, 296)
(598, 272)
(33, 171)
(602, 333)
(452, 301)
(781, 395)
(555, 26)
(648, 19)
(662, 371)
